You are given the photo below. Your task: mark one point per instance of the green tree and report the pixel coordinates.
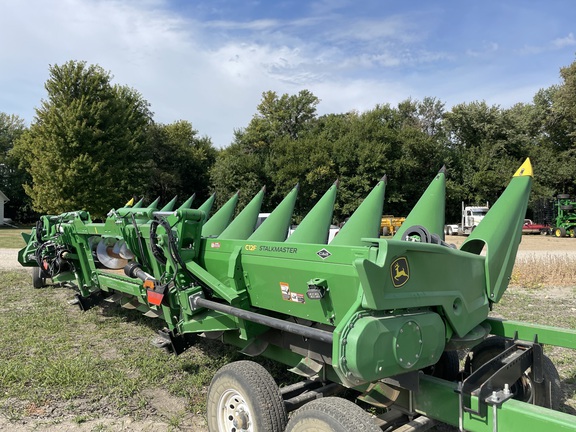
(288, 114)
(560, 127)
(248, 163)
(87, 146)
(181, 161)
(19, 208)
(485, 150)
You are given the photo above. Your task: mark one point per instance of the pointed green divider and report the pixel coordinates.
(207, 205)
(365, 221)
(501, 232)
(154, 204)
(130, 202)
(170, 205)
(139, 204)
(243, 225)
(188, 203)
(315, 226)
(275, 227)
(430, 208)
(221, 219)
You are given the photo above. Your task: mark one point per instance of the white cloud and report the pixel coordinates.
(486, 49)
(565, 41)
(554, 45)
(256, 25)
(376, 31)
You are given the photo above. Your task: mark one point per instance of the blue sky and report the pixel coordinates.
(208, 62)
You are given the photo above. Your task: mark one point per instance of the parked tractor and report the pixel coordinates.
(565, 217)
(363, 320)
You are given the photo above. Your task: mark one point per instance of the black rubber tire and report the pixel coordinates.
(447, 368)
(449, 229)
(546, 394)
(38, 278)
(331, 414)
(572, 232)
(248, 388)
(559, 232)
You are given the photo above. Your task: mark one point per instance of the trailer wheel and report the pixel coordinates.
(546, 394)
(243, 396)
(38, 278)
(331, 414)
(559, 232)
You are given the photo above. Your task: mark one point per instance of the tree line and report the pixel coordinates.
(94, 144)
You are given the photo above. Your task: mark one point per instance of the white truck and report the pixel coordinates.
(471, 217)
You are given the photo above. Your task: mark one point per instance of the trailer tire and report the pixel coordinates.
(243, 395)
(447, 367)
(331, 414)
(547, 394)
(38, 278)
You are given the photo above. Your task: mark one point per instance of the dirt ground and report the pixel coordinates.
(531, 245)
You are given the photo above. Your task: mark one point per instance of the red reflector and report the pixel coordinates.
(154, 297)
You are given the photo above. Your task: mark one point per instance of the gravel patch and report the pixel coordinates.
(9, 259)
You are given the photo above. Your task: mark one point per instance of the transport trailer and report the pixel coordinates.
(382, 322)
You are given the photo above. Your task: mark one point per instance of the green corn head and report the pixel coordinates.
(357, 310)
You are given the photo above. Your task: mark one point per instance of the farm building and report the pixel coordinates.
(3, 199)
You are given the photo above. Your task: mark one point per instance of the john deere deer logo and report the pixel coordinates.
(400, 272)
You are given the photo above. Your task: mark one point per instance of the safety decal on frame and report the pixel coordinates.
(297, 297)
(289, 295)
(285, 291)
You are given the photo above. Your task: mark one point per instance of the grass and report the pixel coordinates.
(56, 358)
(11, 238)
